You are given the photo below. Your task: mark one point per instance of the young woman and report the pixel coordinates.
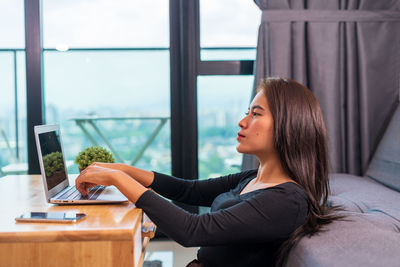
(257, 215)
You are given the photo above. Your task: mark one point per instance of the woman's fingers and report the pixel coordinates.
(82, 187)
(87, 187)
(93, 176)
(84, 182)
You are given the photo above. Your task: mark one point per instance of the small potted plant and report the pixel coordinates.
(93, 154)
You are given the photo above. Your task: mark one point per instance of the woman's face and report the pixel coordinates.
(257, 129)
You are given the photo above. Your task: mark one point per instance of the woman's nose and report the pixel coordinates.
(242, 122)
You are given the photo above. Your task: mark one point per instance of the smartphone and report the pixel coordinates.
(62, 217)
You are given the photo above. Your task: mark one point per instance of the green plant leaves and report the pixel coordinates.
(53, 163)
(93, 154)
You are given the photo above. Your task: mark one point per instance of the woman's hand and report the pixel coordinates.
(114, 166)
(95, 175)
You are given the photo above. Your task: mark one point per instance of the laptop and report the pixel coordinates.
(55, 176)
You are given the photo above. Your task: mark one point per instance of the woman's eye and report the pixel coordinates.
(253, 114)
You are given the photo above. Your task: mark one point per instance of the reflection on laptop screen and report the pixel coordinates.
(53, 160)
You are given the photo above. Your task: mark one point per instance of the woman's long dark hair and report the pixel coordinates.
(300, 140)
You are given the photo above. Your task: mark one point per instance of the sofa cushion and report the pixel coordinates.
(385, 165)
(369, 235)
(364, 195)
(357, 242)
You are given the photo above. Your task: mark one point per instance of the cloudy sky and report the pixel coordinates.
(128, 23)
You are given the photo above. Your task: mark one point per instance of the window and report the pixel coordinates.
(108, 64)
(13, 150)
(228, 33)
(106, 71)
(228, 29)
(222, 103)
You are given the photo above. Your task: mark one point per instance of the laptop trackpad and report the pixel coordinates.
(112, 193)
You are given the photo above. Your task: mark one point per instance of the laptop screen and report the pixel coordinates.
(53, 160)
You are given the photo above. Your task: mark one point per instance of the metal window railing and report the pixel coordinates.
(85, 122)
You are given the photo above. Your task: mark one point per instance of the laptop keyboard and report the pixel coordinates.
(73, 193)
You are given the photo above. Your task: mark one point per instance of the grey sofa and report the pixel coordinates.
(371, 237)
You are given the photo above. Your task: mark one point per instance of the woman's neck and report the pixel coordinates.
(271, 171)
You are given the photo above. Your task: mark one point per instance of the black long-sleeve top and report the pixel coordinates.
(240, 230)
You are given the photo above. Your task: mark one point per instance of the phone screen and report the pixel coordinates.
(51, 216)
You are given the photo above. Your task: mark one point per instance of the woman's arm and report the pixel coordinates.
(95, 175)
(271, 215)
(193, 192)
(144, 177)
(187, 191)
(196, 192)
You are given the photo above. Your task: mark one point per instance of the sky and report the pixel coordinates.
(128, 23)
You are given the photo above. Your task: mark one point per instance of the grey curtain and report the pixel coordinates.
(348, 53)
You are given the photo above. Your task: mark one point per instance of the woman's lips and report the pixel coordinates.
(240, 136)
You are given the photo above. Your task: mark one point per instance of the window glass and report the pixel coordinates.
(101, 87)
(12, 20)
(228, 23)
(104, 23)
(222, 103)
(13, 148)
(228, 53)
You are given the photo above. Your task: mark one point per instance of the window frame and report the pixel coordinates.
(186, 66)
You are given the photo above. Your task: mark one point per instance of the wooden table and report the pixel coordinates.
(110, 235)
